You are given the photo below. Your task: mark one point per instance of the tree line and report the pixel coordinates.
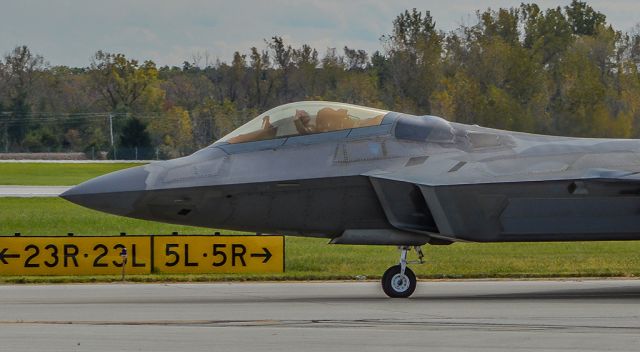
(561, 71)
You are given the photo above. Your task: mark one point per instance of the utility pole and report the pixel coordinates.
(6, 139)
(111, 133)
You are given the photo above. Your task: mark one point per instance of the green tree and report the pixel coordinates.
(262, 84)
(414, 56)
(491, 78)
(583, 18)
(304, 73)
(546, 34)
(282, 56)
(135, 141)
(355, 60)
(581, 107)
(19, 71)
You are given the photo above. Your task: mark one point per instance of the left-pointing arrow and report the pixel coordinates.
(4, 256)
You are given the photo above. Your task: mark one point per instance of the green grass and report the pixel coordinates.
(56, 217)
(309, 258)
(54, 174)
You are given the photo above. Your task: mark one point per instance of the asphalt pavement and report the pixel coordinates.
(589, 315)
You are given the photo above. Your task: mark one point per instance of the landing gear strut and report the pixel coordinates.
(399, 281)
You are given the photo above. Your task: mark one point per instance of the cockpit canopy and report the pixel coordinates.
(304, 118)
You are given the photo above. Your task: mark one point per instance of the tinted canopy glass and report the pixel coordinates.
(305, 118)
(425, 129)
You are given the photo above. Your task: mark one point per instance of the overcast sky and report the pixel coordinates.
(69, 32)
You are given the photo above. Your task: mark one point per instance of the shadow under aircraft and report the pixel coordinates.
(358, 175)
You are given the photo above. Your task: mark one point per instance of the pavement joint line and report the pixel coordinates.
(334, 323)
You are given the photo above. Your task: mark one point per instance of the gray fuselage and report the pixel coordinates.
(408, 181)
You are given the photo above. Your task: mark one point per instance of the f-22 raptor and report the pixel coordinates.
(358, 175)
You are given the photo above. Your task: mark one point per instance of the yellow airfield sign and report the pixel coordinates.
(74, 255)
(106, 255)
(219, 254)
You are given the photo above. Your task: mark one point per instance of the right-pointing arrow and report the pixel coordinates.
(266, 255)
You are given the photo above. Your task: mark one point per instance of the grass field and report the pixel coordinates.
(308, 258)
(54, 174)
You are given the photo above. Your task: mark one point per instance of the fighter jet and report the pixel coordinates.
(358, 175)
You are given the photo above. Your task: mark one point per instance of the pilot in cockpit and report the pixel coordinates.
(303, 124)
(267, 131)
(303, 120)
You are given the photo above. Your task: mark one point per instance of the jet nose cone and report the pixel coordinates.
(114, 193)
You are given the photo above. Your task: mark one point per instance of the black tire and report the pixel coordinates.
(395, 288)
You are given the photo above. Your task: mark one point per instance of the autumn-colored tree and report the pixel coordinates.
(122, 83)
(172, 133)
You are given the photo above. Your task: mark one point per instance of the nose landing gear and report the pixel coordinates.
(399, 281)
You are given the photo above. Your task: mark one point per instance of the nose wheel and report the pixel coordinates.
(399, 281)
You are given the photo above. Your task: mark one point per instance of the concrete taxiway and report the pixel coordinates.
(324, 316)
(32, 191)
